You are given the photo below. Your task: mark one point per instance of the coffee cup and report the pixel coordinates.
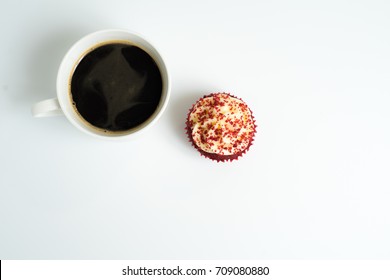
(112, 84)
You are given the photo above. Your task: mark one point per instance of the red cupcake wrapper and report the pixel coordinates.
(217, 157)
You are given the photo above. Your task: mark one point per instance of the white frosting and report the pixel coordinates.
(221, 124)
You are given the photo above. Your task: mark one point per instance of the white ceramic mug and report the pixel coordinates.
(63, 103)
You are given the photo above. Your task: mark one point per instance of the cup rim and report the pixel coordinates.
(74, 55)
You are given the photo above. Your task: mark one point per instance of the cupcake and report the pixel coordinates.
(220, 126)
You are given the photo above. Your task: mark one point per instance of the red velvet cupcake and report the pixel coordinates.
(221, 126)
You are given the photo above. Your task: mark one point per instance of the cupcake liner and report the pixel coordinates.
(212, 156)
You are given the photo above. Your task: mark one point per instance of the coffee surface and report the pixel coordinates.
(116, 86)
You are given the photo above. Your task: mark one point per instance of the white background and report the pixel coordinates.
(314, 185)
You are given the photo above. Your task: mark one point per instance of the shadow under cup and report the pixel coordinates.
(113, 84)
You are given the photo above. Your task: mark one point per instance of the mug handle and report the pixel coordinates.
(47, 108)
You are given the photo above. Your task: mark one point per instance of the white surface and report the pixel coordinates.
(314, 185)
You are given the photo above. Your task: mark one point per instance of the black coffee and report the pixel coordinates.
(116, 86)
